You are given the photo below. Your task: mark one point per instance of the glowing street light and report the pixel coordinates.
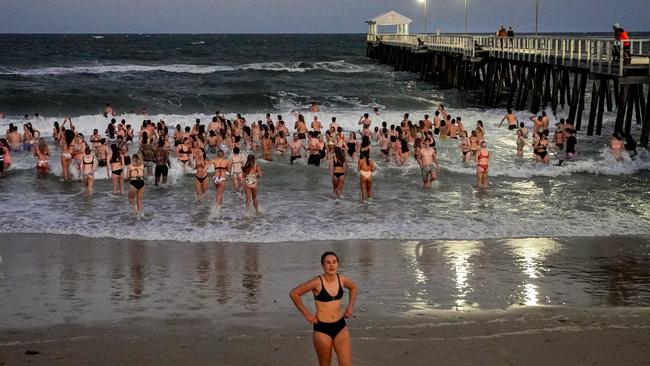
(465, 16)
(536, 14)
(425, 14)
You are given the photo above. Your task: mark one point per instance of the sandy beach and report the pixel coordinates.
(523, 336)
(79, 301)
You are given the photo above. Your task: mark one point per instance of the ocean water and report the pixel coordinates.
(179, 78)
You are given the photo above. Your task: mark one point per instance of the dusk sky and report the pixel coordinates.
(312, 16)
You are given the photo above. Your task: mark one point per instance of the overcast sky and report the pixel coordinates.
(312, 16)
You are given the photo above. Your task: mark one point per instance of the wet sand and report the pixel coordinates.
(522, 336)
(74, 300)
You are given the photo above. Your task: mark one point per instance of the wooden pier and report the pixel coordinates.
(532, 73)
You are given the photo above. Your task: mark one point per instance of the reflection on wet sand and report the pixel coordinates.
(458, 254)
(530, 256)
(251, 278)
(222, 273)
(116, 279)
(137, 253)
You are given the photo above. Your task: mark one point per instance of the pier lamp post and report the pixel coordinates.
(466, 16)
(536, 14)
(425, 14)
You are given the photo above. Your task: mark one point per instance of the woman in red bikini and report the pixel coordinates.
(482, 165)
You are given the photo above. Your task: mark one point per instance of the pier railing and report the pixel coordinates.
(596, 54)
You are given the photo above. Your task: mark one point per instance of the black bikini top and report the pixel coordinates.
(324, 296)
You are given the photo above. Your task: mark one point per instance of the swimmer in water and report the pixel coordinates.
(512, 120)
(201, 177)
(42, 155)
(222, 167)
(521, 142)
(616, 147)
(426, 159)
(66, 153)
(366, 167)
(251, 172)
(337, 168)
(88, 168)
(236, 162)
(330, 329)
(116, 162)
(136, 177)
(482, 165)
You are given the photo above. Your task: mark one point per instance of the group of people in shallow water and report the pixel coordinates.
(225, 141)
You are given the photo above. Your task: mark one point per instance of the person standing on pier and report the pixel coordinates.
(502, 34)
(621, 35)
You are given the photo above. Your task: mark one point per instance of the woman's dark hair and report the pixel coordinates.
(69, 137)
(340, 156)
(250, 163)
(111, 131)
(322, 257)
(366, 155)
(235, 150)
(178, 127)
(365, 141)
(56, 126)
(145, 139)
(115, 157)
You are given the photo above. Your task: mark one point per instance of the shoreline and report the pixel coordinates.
(615, 238)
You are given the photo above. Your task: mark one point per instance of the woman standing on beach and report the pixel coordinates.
(330, 330)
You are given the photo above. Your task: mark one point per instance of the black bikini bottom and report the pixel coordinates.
(331, 329)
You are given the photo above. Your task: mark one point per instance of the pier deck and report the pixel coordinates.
(532, 71)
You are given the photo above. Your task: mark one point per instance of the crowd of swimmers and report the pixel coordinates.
(228, 148)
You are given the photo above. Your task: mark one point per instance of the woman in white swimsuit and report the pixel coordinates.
(251, 172)
(221, 171)
(236, 162)
(366, 167)
(66, 153)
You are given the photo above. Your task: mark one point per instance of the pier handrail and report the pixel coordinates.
(596, 54)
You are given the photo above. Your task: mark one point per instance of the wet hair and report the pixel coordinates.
(365, 141)
(41, 144)
(250, 163)
(137, 160)
(366, 155)
(340, 156)
(69, 137)
(102, 141)
(235, 150)
(509, 111)
(115, 157)
(220, 153)
(161, 143)
(326, 254)
(88, 151)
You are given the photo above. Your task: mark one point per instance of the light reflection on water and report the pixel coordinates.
(73, 279)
